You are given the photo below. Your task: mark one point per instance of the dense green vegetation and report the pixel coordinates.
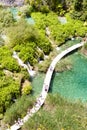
(77, 8)
(32, 43)
(6, 60)
(46, 5)
(10, 79)
(80, 10)
(59, 32)
(25, 39)
(9, 88)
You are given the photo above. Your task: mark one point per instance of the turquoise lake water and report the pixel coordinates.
(14, 11)
(71, 84)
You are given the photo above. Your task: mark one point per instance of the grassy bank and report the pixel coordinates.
(17, 110)
(58, 114)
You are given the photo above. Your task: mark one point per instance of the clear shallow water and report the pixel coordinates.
(30, 20)
(38, 83)
(71, 84)
(15, 10)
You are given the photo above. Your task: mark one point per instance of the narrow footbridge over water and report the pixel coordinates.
(46, 85)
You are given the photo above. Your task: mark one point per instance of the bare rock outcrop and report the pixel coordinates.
(12, 2)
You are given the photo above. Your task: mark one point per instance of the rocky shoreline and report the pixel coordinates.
(11, 2)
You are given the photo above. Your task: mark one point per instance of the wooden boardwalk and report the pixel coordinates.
(46, 85)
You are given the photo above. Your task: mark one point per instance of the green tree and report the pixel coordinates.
(6, 18)
(78, 5)
(26, 90)
(21, 33)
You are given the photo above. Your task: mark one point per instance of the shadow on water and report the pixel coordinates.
(70, 53)
(30, 78)
(52, 80)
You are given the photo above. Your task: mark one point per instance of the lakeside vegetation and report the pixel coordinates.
(32, 44)
(58, 114)
(12, 114)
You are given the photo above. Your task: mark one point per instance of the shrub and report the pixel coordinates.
(6, 18)
(27, 88)
(45, 9)
(14, 112)
(6, 60)
(9, 90)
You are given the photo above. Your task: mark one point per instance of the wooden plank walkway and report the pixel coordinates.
(46, 85)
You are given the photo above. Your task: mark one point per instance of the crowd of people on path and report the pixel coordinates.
(39, 102)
